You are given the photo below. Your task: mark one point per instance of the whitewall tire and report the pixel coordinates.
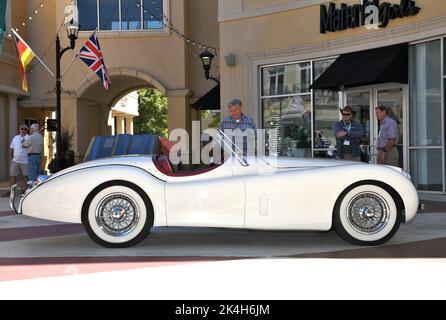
(117, 215)
(367, 214)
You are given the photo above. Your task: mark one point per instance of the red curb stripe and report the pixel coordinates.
(15, 234)
(427, 249)
(32, 268)
(46, 271)
(117, 259)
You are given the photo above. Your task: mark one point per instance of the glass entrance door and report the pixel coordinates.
(364, 101)
(361, 102)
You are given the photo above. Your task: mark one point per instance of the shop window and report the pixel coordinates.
(109, 14)
(425, 95)
(425, 113)
(7, 26)
(114, 15)
(326, 112)
(88, 14)
(154, 16)
(287, 79)
(286, 105)
(289, 119)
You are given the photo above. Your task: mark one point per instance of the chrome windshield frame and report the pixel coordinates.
(224, 138)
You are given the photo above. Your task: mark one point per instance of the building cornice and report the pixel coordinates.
(400, 34)
(244, 14)
(179, 93)
(44, 103)
(13, 90)
(9, 59)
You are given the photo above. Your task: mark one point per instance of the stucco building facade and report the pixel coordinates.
(281, 52)
(283, 62)
(139, 51)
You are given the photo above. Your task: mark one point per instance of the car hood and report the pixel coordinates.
(287, 163)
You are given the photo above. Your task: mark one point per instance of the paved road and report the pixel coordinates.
(23, 237)
(37, 244)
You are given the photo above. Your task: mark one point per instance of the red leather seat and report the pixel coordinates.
(166, 145)
(163, 165)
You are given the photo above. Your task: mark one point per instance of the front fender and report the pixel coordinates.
(61, 199)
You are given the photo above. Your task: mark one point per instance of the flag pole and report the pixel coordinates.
(44, 65)
(63, 73)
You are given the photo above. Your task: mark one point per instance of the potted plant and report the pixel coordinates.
(67, 159)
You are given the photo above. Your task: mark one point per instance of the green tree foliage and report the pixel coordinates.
(152, 113)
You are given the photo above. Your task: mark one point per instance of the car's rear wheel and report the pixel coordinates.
(367, 214)
(117, 215)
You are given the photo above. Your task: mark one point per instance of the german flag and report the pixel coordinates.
(26, 56)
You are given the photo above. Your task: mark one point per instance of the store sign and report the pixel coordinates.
(371, 13)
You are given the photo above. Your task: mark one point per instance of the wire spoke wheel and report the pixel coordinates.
(368, 213)
(117, 215)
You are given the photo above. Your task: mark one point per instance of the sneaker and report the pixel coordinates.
(6, 195)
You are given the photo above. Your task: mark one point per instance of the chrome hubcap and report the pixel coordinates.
(368, 213)
(117, 215)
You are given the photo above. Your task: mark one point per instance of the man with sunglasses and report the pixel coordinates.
(19, 160)
(348, 133)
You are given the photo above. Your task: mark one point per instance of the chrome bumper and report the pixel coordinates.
(15, 197)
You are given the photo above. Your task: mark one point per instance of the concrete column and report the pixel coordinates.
(129, 125)
(179, 110)
(120, 124)
(13, 118)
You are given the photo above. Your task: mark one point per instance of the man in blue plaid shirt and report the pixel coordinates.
(238, 123)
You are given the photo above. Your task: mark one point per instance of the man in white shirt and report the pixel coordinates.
(34, 147)
(19, 160)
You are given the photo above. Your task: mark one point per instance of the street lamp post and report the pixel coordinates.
(206, 59)
(73, 31)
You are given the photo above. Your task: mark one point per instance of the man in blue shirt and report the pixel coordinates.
(238, 123)
(348, 134)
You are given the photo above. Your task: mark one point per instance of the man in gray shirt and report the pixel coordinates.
(34, 145)
(387, 138)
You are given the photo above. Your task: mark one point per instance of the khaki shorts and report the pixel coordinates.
(18, 169)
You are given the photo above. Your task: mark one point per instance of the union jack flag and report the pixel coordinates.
(91, 54)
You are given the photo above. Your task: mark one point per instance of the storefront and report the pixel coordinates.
(298, 89)
(304, 116)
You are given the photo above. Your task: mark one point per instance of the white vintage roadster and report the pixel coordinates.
(119, 199)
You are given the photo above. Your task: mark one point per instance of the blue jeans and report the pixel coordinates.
(33, 167)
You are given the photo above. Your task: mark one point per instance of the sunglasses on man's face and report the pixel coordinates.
(347, 114)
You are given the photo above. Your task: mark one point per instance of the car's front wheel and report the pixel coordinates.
(117, 215)
(367, 214)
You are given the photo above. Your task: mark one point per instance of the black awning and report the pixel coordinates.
(210, 101)
(375, 66)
